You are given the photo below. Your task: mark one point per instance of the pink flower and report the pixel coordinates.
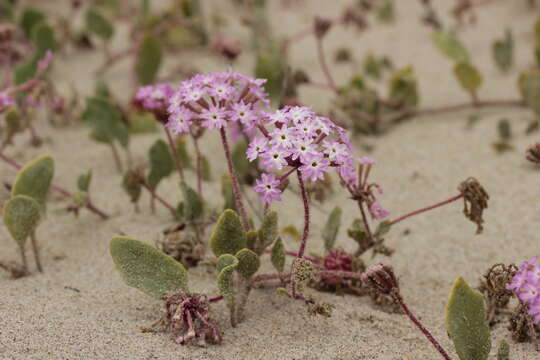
(526, 285)
(214, 117)
(367, 160)
(256, 147)
(267, 186)
(5, 101)
(180, 120)
(377, 212)
(46, 61)
(275, 158)
(314, 168)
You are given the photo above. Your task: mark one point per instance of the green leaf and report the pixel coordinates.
(29, 18)
(271, 64)
(529, 87)
(181, 150)
(450, 46)
(43, 39)
(466, 322)
(148, 60)
(278, 255)
(248, 263)
(132, 185)
(83, 183)
(225, 260)
(503, 51)
(251, 239)
(105, 120)
(228, 236)
(205, 169)
(383, 228)
(21, 217)
(97, 24)
(34, 179)
(268, 232)
(146, 268)
(7, 10)
(331, 228)
(504, 351)
(227, 192)
(142, 123)
(193, 203)
(468, 76)
(403, 87)
(161, 163)
(226, 265)
(25, 71)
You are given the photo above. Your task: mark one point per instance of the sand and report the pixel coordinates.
(80, 309)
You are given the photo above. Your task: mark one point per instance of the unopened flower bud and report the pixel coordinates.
(381, 278)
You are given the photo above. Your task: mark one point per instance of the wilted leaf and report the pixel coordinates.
(448, 44)
(21, 217)
(146, 268)
(148, 60)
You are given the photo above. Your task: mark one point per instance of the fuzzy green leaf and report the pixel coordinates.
(529, 87)
(205, 169)
(248, 263)
(34, 179)
(227, 192)
(228, 236)
(504, 351)
(268, 232)
(450, 46)
(251, 239)
(193, 203)
(403, 87)
(43, 39)
(21, 217)
(503, 51)
(466, 322)
(278, 255)
(105, 121)
(225, 260)
(146, 268)
(83, 183)
(331, 228)
(468, 76)
(225, 280)
(29, 18)
(161, 163)
(271, 64)
(148, 60)
(98, 24)
(383, 228)
(132, 186)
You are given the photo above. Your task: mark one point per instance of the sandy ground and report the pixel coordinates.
(420, 162)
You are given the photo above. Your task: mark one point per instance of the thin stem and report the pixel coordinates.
(397, 297)
(24, 260)
(174, 153)
(295, 254)
(35, 249)
(215, 299)
(198, 164)
(157, 197)
(324, 65)
(89, 205)
(234, 179)
(365, 221)
(116, 157)
(305, 200)
(427, 208)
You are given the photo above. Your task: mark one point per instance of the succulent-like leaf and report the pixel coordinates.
(43, 39)
(227, 192)
(83, 183)
(252, 237)
(503, 51)
(278, 255)
(504, 351)
(268, 232)
(29, 18)
(142, 122)
(98, 24)
(466, 322)
(228, 236)
(193, 203)
(161, 163)
(331, 228)
(34, 179)
(450, 46)
(21, 217)
(468, 76)
(7, 9)
(148, 60)
(248, 263)
(146, 268)
(106, 121)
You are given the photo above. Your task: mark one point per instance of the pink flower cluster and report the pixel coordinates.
(216, 100)
(154, 97)
(526, 285)
(296, 137)
(5, 101)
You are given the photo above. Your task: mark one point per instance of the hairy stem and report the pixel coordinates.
(198, 165)
(174, 153)
(234, 179)
(366, 222)
(397, 297)
(427, 208)
(324, 65)
(154, 195)
(35, 250)
(305, 200)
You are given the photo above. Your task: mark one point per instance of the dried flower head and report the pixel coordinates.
(182, 245)
(321, 26)
(533, 153)
(475, 201)
(381, 278)
(494, 287)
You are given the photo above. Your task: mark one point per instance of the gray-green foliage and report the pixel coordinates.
(228, 236)
(468, 76)
(30, 17)
(403, 87)
(21, 217)
(503, 353)
(227, 192)
(271, 64)
(529, 87)
(105, 120)
(268, 232)
(248, 263)
(503, 51)
(161, 163)
(331, 228)
(193, 203)
(98, 24)
(34, 179)
(225, 268)
(278, 255)
(148, 60)
(146, 268)
(43, 39)
(466, 322)
(449, 44)
(84, 180)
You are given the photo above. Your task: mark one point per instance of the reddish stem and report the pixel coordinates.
(295, 254)
(305, 200)
(174, 153)
(324, 65)
(419, 211)
(157, 197)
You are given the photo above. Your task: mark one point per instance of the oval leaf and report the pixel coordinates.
(468, 76)
(331, 228)
(161, 163)
(148, 61)
(448, 44)
(228, 236)
(248, 263)
(34, 179)
(268, 231)
(466, 322)
(278, 255)
(146, 268)
(21, 217)
(98, 24)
